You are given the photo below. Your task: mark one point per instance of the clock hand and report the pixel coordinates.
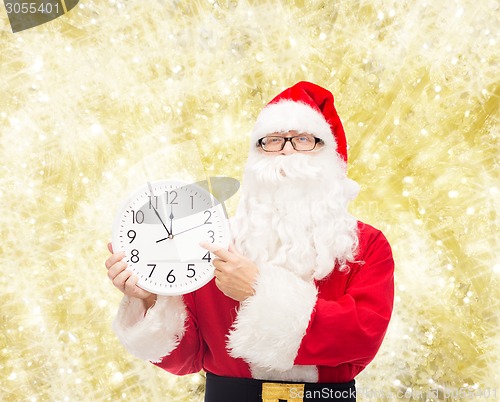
(171, 234)
(165, 226)
(177, 234)
(194, 227)
(171, 218)
(157, 214)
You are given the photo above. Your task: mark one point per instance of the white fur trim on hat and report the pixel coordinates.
(154, 335)
(270, 325)
(288, 115)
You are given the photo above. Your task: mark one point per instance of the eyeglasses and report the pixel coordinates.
(303, 142)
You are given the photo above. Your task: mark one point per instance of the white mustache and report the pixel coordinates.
(309, 170)
(285, 167)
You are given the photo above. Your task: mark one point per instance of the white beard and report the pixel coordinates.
(293, 213)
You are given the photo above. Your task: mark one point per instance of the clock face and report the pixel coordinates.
(160, 227)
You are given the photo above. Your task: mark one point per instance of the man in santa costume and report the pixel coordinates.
(302, 299)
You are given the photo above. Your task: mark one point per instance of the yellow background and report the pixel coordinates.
(118, 91)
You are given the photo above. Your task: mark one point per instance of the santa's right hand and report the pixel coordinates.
(124, 280)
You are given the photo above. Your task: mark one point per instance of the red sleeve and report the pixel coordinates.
(351, 328)
(187, 357)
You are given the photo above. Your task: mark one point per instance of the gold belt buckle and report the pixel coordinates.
(273, 392)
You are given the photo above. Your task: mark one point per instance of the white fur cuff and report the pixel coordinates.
(270, 325)
(154, 335)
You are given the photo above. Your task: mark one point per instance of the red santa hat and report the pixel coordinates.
(306, 108)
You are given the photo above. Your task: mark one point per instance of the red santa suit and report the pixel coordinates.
(321, 331)
(316, 316)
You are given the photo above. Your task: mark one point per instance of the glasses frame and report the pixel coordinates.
(316, 142)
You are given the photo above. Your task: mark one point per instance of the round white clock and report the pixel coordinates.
(160, 228)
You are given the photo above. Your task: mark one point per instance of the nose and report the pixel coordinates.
(288, 149)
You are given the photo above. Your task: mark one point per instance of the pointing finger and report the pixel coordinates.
(218, 250)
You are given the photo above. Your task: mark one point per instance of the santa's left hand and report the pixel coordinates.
(235, 274)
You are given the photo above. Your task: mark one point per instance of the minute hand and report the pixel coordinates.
(165, 226)
(156, 212)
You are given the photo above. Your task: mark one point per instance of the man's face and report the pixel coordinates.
(295, 142)
(295, 185)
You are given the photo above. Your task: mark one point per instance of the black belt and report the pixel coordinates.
(230, 389)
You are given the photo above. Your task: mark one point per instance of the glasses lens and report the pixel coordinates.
(304, 142)
(272, 143)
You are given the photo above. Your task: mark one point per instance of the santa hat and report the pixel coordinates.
(306, 108)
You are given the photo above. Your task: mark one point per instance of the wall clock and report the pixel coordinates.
(160, 227)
